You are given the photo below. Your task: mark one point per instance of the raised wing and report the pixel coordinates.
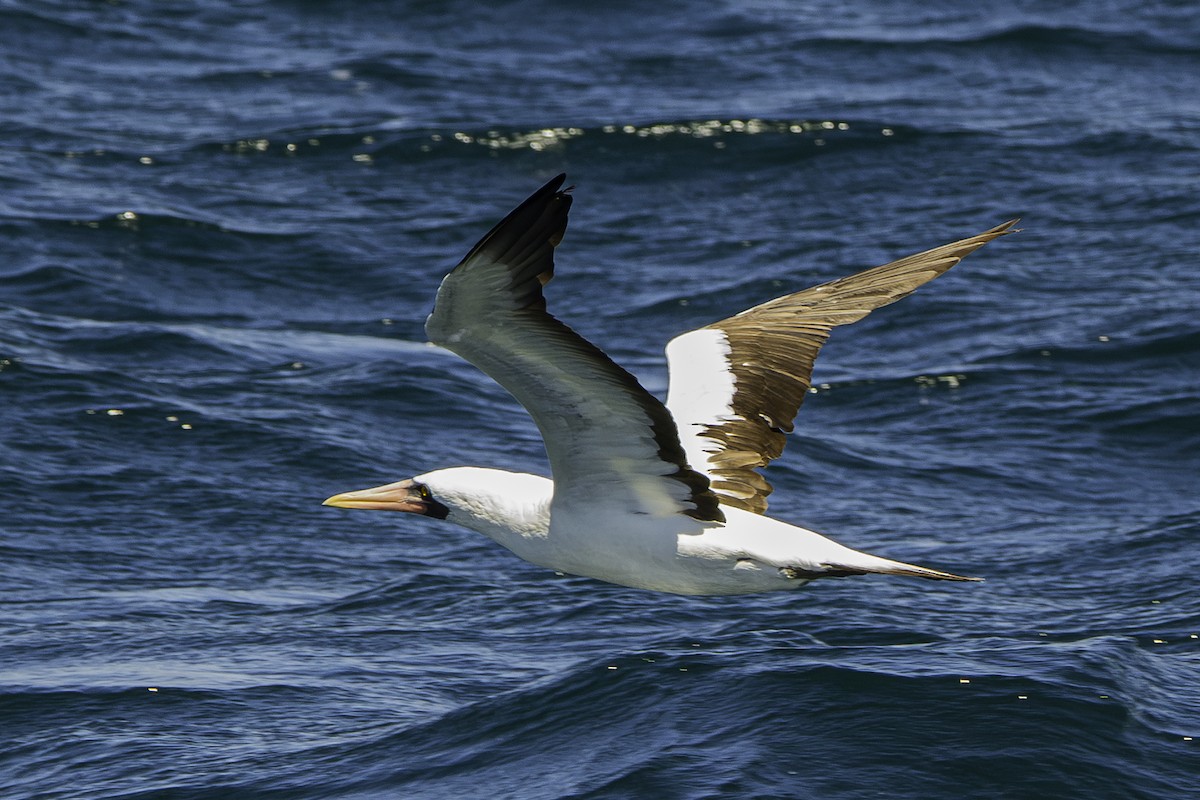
(736, 385)
(609, 441)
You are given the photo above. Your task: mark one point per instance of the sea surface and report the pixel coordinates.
(223, 224)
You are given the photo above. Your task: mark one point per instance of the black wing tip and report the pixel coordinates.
(551, 191)
(542, 215)
(553, 187)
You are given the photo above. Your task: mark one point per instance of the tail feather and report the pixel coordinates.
(865, 564)
(888, 567)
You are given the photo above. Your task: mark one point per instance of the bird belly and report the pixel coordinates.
(696, 561)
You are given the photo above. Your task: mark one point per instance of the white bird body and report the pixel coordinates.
(748, 553)
(647, 495)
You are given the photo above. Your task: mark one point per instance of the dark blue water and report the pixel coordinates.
(221, 229)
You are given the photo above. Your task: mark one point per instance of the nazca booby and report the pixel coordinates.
(645, 494)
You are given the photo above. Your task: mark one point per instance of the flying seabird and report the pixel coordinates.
(655, 496)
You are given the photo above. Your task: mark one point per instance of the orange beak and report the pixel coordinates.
(398, 496)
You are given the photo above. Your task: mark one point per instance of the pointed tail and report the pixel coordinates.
(866, 564)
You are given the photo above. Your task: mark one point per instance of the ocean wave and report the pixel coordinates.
(1044, 39)
(647, 719)
(1087, 40)
(371, 142)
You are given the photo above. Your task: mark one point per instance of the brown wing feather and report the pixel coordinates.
(772, 350)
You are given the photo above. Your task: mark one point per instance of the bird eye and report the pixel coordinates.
(424, 492)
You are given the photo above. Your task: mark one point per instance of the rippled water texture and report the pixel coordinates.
(221, 229)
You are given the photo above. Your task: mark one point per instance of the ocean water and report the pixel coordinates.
(222, 226)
